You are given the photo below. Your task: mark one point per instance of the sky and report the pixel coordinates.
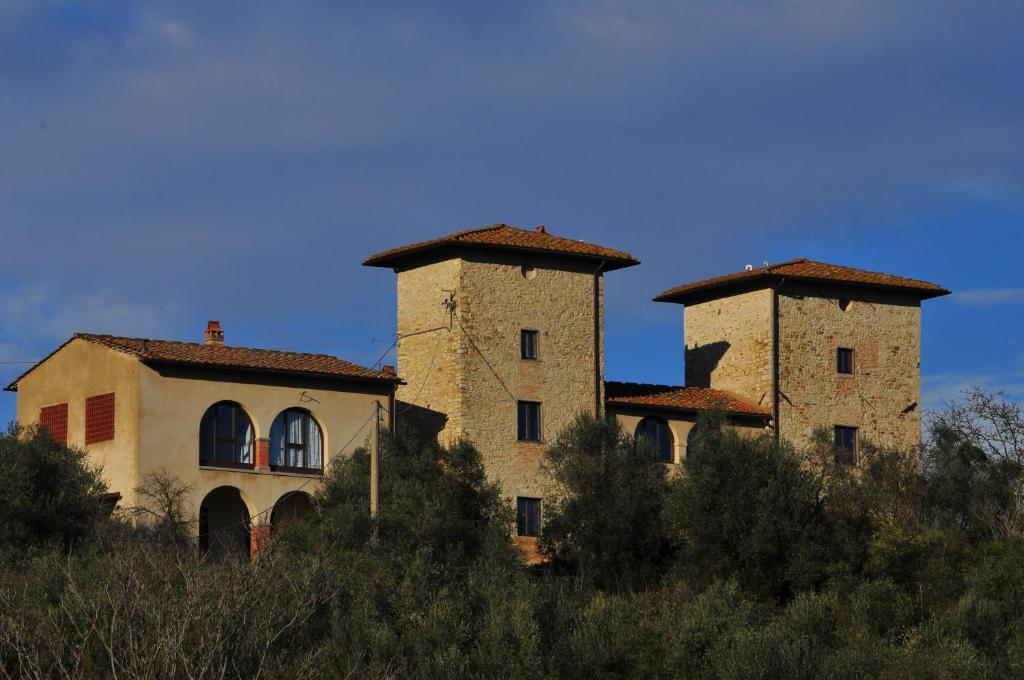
(166, 163)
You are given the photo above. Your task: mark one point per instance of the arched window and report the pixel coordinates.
(656, 430)
(296, 442)
(225, 436)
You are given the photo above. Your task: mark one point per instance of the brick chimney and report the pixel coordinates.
(390, 370)
(213, 335)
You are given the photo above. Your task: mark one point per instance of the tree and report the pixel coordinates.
(989, 420)
(747, 508)
(49, 493)
(435, 587)
(606, 521)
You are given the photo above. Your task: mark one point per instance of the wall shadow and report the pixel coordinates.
(701, 362)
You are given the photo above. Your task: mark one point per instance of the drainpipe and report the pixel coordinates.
(597, 341)
(776, 388)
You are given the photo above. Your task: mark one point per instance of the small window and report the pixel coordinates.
(529, 421)
(528, 344)
(296, 442)
(846, 445)
(657, 432)
(54, 419)
(844, 360)
(99, 418)
(528, 516)
(225, 436)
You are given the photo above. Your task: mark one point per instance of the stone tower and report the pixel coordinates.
(819, 345)
(501, 340)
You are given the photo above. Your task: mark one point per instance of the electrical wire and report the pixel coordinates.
(488, 363)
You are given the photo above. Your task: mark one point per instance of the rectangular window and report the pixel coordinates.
(54, 419)
(844, 360)
(528, 516)
(529, 421)
(99, 418)
(846, 445)
(528, 344)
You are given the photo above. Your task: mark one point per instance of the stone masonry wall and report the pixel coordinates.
(884, 331)
(501, 296)
(729, 345)
(497, 296)
(421, 297)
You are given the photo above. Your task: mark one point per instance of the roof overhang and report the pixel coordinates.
(714, 290)
(397, 260)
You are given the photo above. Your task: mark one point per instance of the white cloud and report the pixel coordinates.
(989, 296)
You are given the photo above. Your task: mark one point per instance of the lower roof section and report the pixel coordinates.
(677, 398)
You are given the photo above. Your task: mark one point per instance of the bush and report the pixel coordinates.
(605, 524)
(49, 494)
(746, 508)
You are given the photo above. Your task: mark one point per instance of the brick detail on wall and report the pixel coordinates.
(99, 418)
(263, 453)
(259, 539)
(55, 420)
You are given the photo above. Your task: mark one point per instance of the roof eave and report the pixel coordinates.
(764, 280)
(394, 259)
(394, 381)
(688, 411)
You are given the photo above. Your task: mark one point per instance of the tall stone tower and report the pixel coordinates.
(820, 345)
(501, 340)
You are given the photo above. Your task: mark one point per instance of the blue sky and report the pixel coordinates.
(165, 163)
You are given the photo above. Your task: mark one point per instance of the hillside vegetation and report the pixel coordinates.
(756, 561)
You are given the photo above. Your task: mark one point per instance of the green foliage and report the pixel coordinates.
(746, 508)
(754, 561)
(49, 494)
(435, 587)
(606, 522)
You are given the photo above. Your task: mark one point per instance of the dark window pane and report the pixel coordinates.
(528, 516)
(529, 420)
(657, 432)
(528, 344)
(206, 435)
(846, 444)
(844, 360)
(225, 421)
(225, 450)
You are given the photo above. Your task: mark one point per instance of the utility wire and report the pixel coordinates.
(488, 363)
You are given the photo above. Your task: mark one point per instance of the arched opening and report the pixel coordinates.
(226, 436)
(656, 431)
(292, 508)
(691, 440)
(224, 523)
(296, 442)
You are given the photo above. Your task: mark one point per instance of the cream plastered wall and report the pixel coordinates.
(79, 370)
(882, 396)
(679, 424)
(729, 345)
(477, 387)
(171, 409)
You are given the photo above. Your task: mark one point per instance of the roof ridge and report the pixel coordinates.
(85, 335)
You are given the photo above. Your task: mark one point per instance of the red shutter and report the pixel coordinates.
(55, 419)
(99, 418)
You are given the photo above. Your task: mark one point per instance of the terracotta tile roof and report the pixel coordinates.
(502, 236)
(804, 270)
(226, 356)
(679, 398)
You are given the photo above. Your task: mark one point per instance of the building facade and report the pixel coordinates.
(248, 431)
(500, 340)
(818, 345)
